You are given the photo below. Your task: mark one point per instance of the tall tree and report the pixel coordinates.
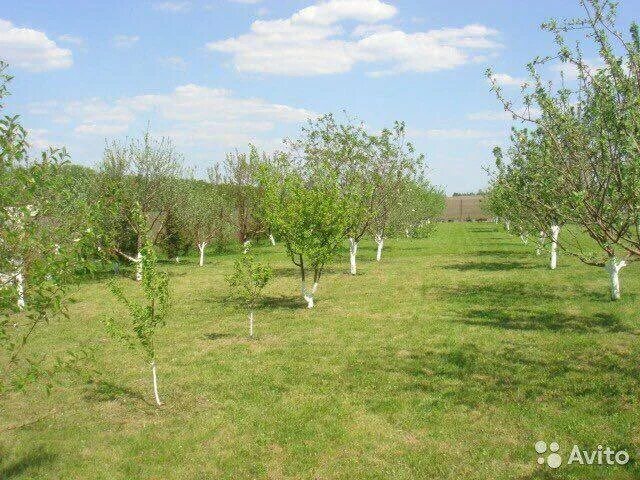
(137, 186)
(305, 208)
(44, 238)
(587, 138)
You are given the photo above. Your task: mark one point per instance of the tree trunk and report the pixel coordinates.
(613, 267)
(523, 238)
(138, 262)
(555, 231)
(353, 251)
(246, 246)
(272, 240)
(19, 279)
(308, 296)
(251, 324)
(507, 225)
(201, 247)
(380, 241)
(155, 383)
(543, 236)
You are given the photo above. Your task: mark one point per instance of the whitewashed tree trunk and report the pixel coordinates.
(613, 267)
(353, 251)
(555, 231)
(19, 279)
(251, 324)
(523, 238)
(380, 242)
(542, 238)
(406, 232)
(507, 225)
(272, 240)
(308, 296)
(138, 262)
(246, 246)
(155, 383)
(201, 247)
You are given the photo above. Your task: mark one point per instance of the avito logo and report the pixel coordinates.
(600, 456)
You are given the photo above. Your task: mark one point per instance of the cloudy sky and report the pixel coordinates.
(217, 74)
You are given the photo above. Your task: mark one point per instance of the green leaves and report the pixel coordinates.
(249, 278)
(145, 315)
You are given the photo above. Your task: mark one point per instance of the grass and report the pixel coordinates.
(448, 360)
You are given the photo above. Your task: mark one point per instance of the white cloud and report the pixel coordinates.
(172, 7)
(455, 133)
(177, 63)
(505, 80)
(570, 70)
(125, 41)
(71, 39)
(31, 49)
(197, 115)
(39, 141)
(366, 29)
(491, 115)
(311, 42)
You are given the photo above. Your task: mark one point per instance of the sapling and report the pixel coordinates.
(147, 315)
(248, 279)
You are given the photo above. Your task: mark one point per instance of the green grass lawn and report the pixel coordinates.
(447, 360)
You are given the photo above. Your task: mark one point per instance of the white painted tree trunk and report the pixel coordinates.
(19, 279)
(155, 383)
(308, 296)
(555, 231)
(613, 267)
(380, 242)
(138, 262)
(542, 238)
(272, 240)
(507, 225)
(406, 232)
(201, 247)
(246, 246)
(353, 251)
(251, 324)
(523, 238)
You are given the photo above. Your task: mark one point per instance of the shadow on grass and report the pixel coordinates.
(503, 253)
(489, 266)
(556, 322)
(280, 302)
(217, 336)
(35, 459)
(506, 293)
(471, 376)
(105, 391)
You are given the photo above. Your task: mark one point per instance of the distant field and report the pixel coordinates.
(447, 360)
(463, 208)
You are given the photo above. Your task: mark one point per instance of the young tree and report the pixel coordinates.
(587, 138)
(43, 240)
(146, 316)
(348, 152)
(207, 216)
(305, 208)
(137, 186)
(395, 165)
(239, 176)
(416, 207)
(248, 279)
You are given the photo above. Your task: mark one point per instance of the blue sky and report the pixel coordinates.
(216, 74)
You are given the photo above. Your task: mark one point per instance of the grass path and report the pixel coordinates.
(447, 360)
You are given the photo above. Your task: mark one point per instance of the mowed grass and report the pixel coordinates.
(447, 360)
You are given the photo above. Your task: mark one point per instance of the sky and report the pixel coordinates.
(215, 75)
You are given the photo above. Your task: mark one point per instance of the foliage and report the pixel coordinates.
(44, 241)
(249, 278)
(148, 315)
